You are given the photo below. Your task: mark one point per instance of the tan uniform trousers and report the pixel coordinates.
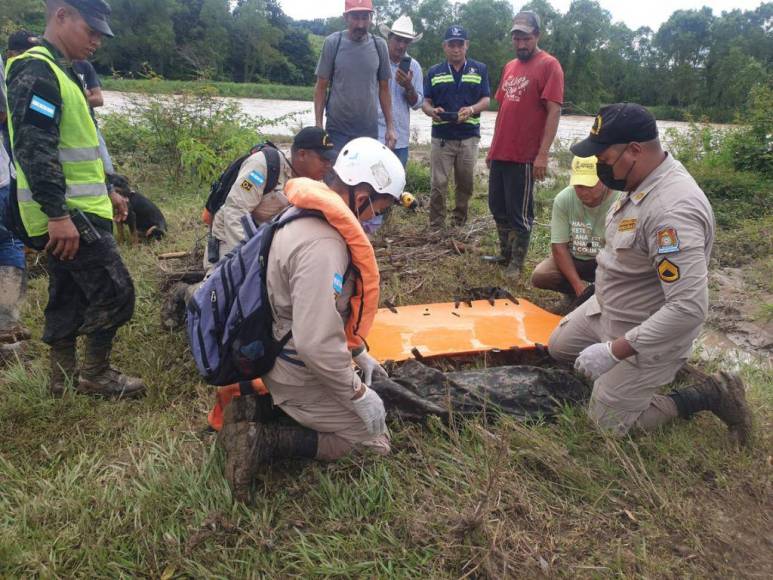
(340, 430)
(459, 157)
(627, 395)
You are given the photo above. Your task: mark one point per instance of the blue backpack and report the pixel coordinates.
(229, 316)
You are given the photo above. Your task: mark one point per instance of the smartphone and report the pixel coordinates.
(449, 116)
(405, 64)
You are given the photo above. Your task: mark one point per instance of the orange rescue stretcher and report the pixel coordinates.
(434, 330)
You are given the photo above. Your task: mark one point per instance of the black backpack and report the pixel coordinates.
(220, 188)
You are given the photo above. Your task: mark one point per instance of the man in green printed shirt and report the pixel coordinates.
(576, 231)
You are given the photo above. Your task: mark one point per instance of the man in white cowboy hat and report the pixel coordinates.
(405, 85)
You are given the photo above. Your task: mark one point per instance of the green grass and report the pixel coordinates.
(134, 488)
(217, 88)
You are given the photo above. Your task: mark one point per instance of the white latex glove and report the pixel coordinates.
(369, 367)
(595, 360)
(370, 408)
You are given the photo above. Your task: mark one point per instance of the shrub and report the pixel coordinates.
(417, 177)
(191, 134)
(751, 148)
(735, 195)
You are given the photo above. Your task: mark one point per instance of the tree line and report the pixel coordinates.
(697, 62)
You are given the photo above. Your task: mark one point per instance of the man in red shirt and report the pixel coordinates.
(530, 95)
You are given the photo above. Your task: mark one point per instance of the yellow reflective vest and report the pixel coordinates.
(84, 173)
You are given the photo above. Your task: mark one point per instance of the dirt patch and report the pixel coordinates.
(735, 323)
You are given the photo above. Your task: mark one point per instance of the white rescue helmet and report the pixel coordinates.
(365, 160)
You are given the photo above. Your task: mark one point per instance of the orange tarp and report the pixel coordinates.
(446, 330)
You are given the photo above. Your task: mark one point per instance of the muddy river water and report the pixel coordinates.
(286, 117)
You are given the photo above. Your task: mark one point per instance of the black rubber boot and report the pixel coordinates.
(252, 408)
(505, 248)
(519, 247)
(725, 396)
(63, 362)
(98, 378)
(248, 445)
(173, 308)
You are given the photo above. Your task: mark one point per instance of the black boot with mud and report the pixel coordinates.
(248, 445)
(99, 379)
(505, 248)
(173, 307)
(519, 244)
(725, 396)
(63, 363)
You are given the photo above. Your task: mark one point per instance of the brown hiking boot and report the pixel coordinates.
(725, 396)
(63, 363)
(248, 445)
(98, 378)
(111, 383)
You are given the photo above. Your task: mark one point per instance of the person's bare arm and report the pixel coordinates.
(320, 94)
(430, 110)
(563, 259)
(551, 128)
(385, 98)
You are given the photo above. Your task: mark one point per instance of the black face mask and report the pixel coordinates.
(606, 174)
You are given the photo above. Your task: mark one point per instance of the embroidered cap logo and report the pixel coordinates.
(596, 125)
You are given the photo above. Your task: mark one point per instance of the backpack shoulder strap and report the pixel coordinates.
(333, 67)
(273, 167)
(378, 53)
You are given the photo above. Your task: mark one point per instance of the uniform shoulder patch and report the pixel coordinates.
(42, 106)
(41, 112)
(247, 185)
(668, 271)
(668, 241)
(338, 283)
(257, 178)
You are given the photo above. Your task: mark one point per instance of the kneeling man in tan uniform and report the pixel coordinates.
(651, 297)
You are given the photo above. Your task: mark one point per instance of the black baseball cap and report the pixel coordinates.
(315, 139)
(22, 40)
(96, 13)
(527, 22)
(455, 32)
(618, 123)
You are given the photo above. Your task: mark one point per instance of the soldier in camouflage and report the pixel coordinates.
(90, 290)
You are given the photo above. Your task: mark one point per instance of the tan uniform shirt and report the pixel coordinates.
(247, 196)
(309, 292)
(652, 276)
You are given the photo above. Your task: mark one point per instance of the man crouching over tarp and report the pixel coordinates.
(323, 286)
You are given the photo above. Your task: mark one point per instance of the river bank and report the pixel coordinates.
(285, 117)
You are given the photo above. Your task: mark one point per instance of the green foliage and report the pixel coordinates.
(752, 146)
(417, 177)
(735, 195)
(194, 135)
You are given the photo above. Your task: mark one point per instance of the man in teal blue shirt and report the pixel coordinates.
(576, 231)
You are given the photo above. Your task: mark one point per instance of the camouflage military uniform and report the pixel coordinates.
(94, 292)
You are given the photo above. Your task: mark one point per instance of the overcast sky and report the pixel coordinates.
(634, 13)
